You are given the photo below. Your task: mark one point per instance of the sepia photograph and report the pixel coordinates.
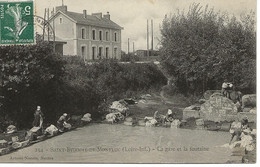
(128, 82)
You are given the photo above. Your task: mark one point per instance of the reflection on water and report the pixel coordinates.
(102, 143)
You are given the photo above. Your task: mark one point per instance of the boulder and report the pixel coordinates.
(51, 130)
(42, 137)
(249, 100)
(67, 126)
(110, 118)
(250, 116)
(238, 106)
(86, 118)
(253, 132)
(253, 111)
(238, 151)
(201, 101)
(199, 122)
(246, 109)
(191, 112)
(35, 129)
(225, 126)
(141, 123)
(218, 108)
(17, 145)
(146, 96)
(200, 128)
(11, 129)
(114, 117)
(130, 101)
(4, 151)
(3, 144)
(247, 142)
(175, 123)
(208, 93)
(150, 123)
(142, 101)
(129, 119)
(33, 133)
(128, 123)
(75, 118)
(148, 118)
(119, 106)
(15, 138)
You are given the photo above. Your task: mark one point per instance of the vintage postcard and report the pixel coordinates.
(117, 81)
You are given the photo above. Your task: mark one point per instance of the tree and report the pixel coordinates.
(29, 73)
(202, 47)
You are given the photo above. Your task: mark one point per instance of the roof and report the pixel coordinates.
(91, 20)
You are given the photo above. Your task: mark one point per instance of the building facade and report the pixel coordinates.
(91, 36)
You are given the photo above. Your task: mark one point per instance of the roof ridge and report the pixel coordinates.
(92, 20)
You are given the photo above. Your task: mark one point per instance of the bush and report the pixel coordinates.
(130, 57)
(114, 79)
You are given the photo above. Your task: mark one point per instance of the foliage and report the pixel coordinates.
(202, 47)
(33, 75)
(130, 57)
(29, 76)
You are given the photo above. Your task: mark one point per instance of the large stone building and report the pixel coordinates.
(90, 36)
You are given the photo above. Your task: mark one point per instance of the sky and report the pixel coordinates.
(133, 14)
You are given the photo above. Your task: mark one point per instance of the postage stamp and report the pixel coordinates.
(16, 22)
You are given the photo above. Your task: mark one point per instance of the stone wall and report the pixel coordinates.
(218, 108)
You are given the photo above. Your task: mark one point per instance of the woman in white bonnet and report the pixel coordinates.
(169, 116)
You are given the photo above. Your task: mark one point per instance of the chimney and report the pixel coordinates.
(85, 14)
(107, 16)
(152, 34)
(61, 8)
(98, 15)
(128, 46)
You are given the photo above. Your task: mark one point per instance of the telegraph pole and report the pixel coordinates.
(44, 18)
(147, 37)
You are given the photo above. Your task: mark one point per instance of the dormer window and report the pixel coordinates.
(61, 20)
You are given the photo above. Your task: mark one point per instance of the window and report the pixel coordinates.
(83, 51)
(100, 52)
(115, 53)
(107, 52)
(94, 34)
(93, 52)
(100, 35)
(61, 20)
(83, 33)
(107, 39)
(115, 36)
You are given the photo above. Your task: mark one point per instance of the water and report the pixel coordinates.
(102, 143)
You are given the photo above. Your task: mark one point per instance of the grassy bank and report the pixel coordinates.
(76, 88)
